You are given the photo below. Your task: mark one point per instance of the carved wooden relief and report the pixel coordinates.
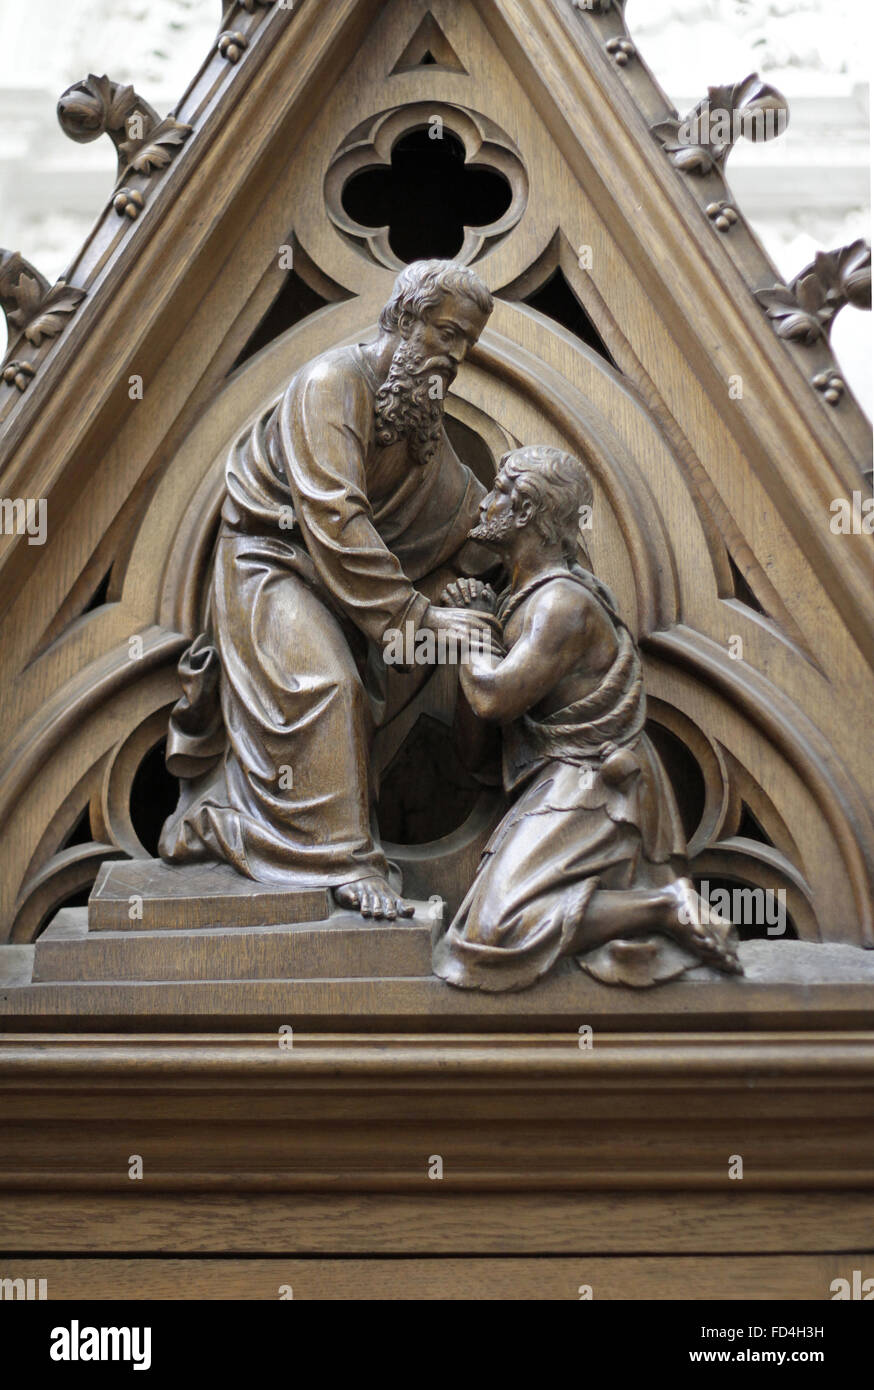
(628, 331)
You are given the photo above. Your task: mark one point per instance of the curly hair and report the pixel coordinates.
(422, 284)
(559, 486)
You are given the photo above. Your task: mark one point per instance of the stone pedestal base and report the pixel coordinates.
(149, 895)
(342, 946)
(377, 976)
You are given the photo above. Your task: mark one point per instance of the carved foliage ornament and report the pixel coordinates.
(701, 142)
(34, 309)
(144, 142)
(804, 310)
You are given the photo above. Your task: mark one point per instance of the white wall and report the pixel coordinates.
(806, 190)
(809, 189)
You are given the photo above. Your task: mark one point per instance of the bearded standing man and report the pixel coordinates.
(340, 501)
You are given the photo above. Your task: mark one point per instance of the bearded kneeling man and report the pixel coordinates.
(590, 860)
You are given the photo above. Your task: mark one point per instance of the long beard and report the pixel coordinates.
(404, 407)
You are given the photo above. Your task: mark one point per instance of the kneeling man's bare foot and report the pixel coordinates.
(373, 897)
(711, 937)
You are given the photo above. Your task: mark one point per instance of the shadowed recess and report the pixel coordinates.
(153, 798)
(557, 301)
(427, 197)
(100, 595)
(472, 449)
(750, 828)
(295, 301)
(742, 591)
(80, 832)
(684, 775)
(753, 912)
(426, 792)
(429, 47)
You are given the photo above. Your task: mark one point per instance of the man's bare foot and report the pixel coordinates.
(373, 897)
(711, 937)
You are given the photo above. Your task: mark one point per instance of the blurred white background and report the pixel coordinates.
(806, 190)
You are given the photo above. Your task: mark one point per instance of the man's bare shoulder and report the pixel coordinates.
(558, 611)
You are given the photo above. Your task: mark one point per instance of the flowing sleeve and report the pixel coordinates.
(325, 429)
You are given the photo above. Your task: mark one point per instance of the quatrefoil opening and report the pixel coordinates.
(425, 180)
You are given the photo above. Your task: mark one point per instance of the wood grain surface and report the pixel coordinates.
(742, 1278)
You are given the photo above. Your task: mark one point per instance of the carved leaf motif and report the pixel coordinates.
(684, 153)
(751, 99)
(158, 151)
(694, 159)
(13, 267)
(754, 98)
(120, 107)
(34, 308)
(846, 274)
(810, 293)
(791, 319)
(667, 132)
(27, 294)
(101, 88)
(799, 328)
(855, 273)
(703, 140)
(55, 308)
(737, 96)
(804, 311)
(96, 104)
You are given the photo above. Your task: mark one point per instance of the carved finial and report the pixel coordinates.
(34, 309)
(702, 140)
(805, 309)
(98, 106)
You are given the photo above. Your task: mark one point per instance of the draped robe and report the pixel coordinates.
(594, 810)
(324, 536)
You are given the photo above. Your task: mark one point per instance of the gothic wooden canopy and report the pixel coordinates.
(638, 323)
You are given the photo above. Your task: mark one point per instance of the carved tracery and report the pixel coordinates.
(669, 541)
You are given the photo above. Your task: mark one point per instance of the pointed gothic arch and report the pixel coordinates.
(706, 498)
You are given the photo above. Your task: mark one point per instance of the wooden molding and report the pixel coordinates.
(507, 1114)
